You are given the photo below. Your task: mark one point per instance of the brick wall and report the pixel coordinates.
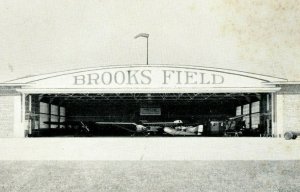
(6, 116)
(289, 108)
(291, 112)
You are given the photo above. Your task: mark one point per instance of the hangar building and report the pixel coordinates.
(42, 105)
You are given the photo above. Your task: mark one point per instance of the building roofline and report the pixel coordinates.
(27, 79)
(283, 83)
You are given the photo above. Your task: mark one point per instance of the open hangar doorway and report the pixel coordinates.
(120, 114)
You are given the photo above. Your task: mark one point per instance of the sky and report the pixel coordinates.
(260, 36)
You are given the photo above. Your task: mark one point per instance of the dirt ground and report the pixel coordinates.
(56, 176)
(149, 164)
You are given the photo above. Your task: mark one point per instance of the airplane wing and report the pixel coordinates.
(128, 126)
(165, 124)
(115, 123)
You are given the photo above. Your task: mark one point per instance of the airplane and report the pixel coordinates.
(184, 130)
(143, 128)
(236, 126)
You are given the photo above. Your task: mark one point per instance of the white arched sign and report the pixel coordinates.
(153, 79)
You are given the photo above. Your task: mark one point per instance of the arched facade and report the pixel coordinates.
(158, 86)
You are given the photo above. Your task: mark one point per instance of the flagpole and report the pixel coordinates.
(145, 35)
(147, 50)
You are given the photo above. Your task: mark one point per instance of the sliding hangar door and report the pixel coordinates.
(149, 101)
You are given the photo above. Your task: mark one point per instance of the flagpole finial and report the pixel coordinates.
(142, 35)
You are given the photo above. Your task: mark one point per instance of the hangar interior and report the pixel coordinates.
(62, 114)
